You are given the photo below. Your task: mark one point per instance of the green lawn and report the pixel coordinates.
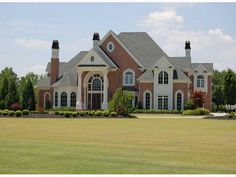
(117, 146)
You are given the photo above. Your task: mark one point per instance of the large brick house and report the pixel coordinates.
(132, 61)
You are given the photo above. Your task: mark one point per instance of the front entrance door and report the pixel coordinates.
(96, 101)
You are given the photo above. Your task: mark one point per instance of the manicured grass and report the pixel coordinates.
(117, 146)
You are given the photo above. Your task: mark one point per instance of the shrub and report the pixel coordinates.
(15, 106)
(91, 113)
(189, 105)
(105, 113)
(0, 112)
(82, 113)
(198, 99)
(11, 113)
(25, 112)
(74, 114)
(98, 113)
(48, 104)
(18, 113)
(199, 111)
(5, 112)
(231, 115)
(67, 114)
(222, 108)
(113, 114)
(61, 113)
(56, 112)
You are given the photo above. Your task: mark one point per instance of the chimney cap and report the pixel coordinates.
(187, 45)
(96, 37)
(55, 44)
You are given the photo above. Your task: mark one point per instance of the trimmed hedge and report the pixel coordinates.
(25, 112)
(11, 113)
(198, 111)
(105, 113)
(157, 111)
(231, 115)
(113, 114)
(18, 113)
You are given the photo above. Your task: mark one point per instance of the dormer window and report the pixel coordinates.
(200, 81)
(129, 77)
(163, 77)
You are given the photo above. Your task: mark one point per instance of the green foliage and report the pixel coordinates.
(18, 113)
(98, 113)
(67, 114)
(153, 111)
(198, 111)
(230, 87)
(11, 113)
(91, 113)
(25, 112)
(4, 88)
(5, 112)
(74, 114)
(231, 115)
(48, 105)
(189, 105)
(120, 101)
(113, 114)
(28, 97)
(63, 109)
(0, 112)
(12, 95)
(56, 112)
(61, 113)
(2, 104)
(81, 113)
(105, 113)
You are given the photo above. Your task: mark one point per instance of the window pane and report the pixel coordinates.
(73, 99)
(63, 99)
(179, 101)
(166, 102)
(147, 101)
(160, 78)
(159, 102)
(165, 77)
(56, 99)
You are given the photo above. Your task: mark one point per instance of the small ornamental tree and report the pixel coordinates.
(28, 97)
(198, 99)
(120, 101)
(12, 96)
(230, 87)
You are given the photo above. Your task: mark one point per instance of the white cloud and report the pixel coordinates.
(37, 69)
(211, 46)
(33, 43)
(162, 19)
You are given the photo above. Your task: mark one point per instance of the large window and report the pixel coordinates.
(128, 77)
(163, 102)
(147, 100)
(56, 99)
(163, 77)
(73, 99)
(179, 101)
(95, 83)
(200, 81)
(63, 99)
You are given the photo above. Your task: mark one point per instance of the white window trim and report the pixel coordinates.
(201, 82)
(144, 98)
(182, 104)
(128, 70)
(44, 98)
(108, 49)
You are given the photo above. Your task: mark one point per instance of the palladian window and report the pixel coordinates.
(163, 77)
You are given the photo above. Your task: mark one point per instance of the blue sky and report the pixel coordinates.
(27, 30)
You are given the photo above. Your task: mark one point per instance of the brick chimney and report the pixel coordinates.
(187, 49)
(55, 61)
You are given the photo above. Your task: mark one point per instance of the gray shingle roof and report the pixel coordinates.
(67, 80)
(61, 65)
(141, 45)
(181, 62)
(208, 66)
(44, 83)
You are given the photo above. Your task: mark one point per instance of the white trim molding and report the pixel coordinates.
(108, 48)
(125, 71)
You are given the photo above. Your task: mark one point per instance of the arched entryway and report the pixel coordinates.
(95, 86)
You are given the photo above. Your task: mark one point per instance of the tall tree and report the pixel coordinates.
(28, 96)
(12, 95)
(230, 87)
(4, 88)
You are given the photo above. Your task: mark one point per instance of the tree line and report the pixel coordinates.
(18, 92)
(224, 89)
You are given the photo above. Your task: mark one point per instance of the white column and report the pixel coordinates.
(59, 99)
(68, 99)
(105, 91)
(79, 104)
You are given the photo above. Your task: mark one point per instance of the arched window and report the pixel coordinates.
(128, 78)
(179, 101)
(200, 81)
(56, 99)
(147, 100)
(160, 78)
(72, 99)
(63, 99)
(163, 77)
(95, 83)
